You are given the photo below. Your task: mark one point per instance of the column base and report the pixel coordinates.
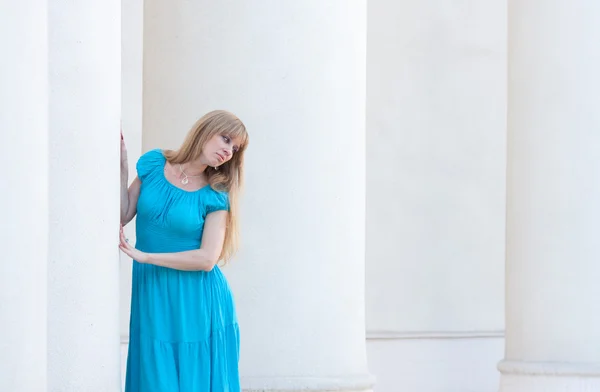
(309, 384)
(548, 377)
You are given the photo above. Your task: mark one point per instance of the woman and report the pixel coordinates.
(184, 334)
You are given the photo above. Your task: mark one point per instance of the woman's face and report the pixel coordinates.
(220, 149)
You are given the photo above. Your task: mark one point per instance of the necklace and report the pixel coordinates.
(185, 178)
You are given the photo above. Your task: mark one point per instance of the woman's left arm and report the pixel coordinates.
(203, 259)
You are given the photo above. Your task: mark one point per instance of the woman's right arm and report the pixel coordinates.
(129, 199)
(129, 196)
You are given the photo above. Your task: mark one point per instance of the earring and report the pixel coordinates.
(216, 167)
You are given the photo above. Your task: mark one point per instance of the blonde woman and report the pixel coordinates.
(183, 332)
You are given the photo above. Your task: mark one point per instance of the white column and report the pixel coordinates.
(295, 74)
(23, 195)
(553, 322)
(83, 292)
(132, 18)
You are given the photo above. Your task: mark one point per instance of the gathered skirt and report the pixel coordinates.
(184, 334)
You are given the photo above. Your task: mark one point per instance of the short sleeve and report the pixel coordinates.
(149, 163)
(219, 201)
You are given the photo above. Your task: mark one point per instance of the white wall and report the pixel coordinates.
(436, 103)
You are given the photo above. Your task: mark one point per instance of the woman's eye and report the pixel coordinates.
(227, 140)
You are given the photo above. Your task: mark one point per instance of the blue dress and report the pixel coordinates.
(183, 333)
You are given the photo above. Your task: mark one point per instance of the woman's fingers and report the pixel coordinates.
(125, 246)
(123, 239)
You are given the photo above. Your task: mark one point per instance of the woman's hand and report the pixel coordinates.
(129, 250)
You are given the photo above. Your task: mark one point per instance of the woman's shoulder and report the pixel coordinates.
(217, 200)
(149, 161)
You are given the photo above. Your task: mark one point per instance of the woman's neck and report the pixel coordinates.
(194, 168)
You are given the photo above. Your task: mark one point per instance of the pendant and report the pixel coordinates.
(184, 181)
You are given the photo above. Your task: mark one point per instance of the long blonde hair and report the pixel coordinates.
(229, 176)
